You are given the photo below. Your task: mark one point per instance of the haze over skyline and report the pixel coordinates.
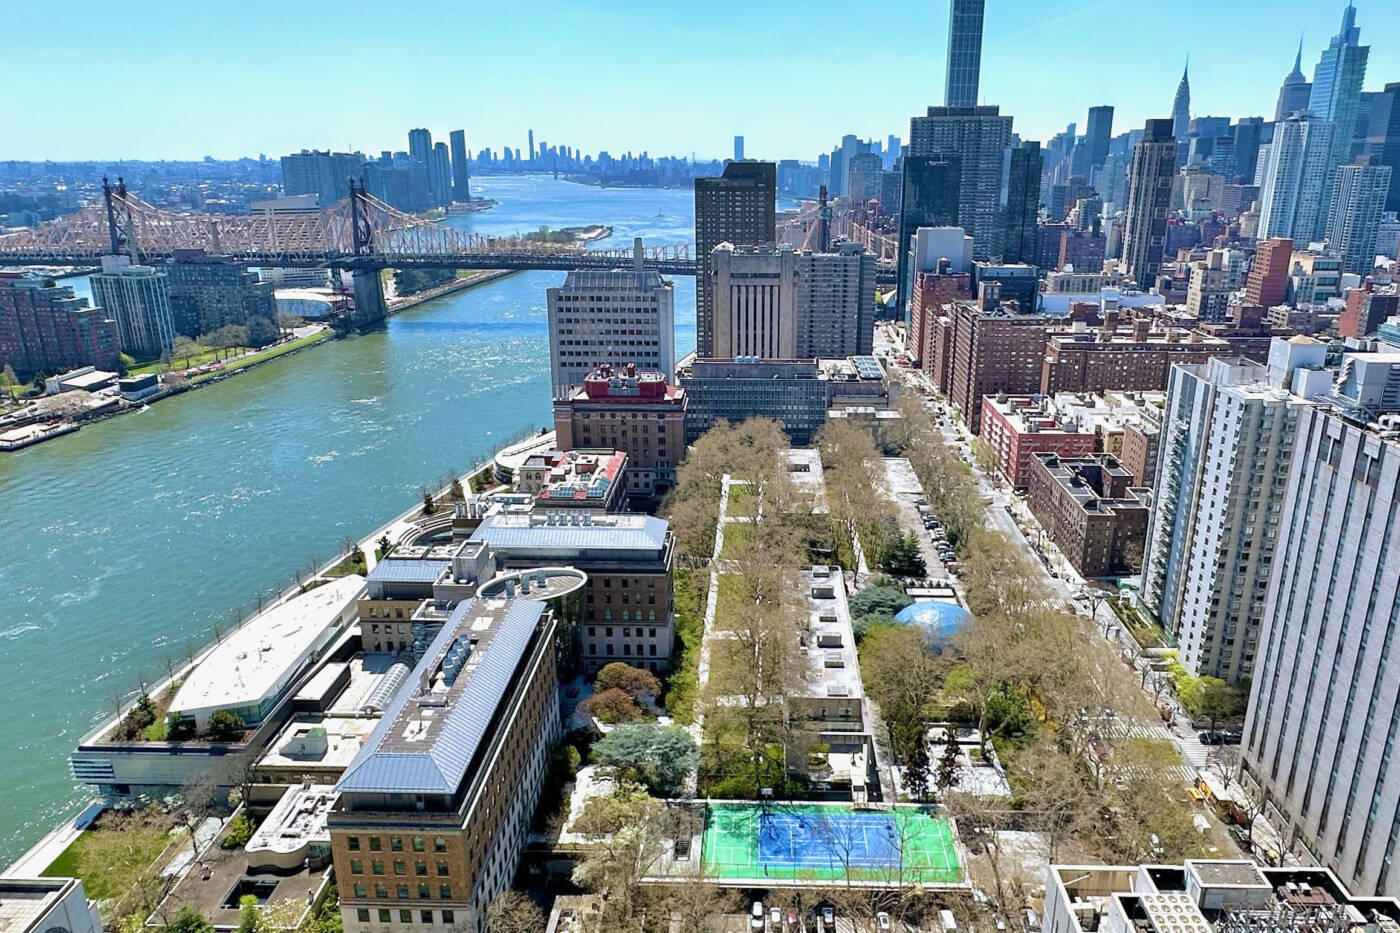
(185, 82)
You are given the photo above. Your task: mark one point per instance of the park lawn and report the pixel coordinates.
(739, 495)
(198, 358)
(268, 354)
(736, 538)
(354, 562)
(112, 855)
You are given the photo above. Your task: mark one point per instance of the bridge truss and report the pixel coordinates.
(357, 232)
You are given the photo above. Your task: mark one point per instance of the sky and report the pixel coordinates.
(179, 80)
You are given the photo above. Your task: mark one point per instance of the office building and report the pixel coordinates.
(738, 148)
(1325, 703)
(1227, 443)
(863, 173)
(738, 208)
(1367, 308)
(325, 174)
(44, 328)
(1208, 896)
(1247, 134)
(942, 261)
(1314, 277)
(138, 299)
(1021, 204)
(795, 393)
(1150, 179)
(1181, 107)
(781, 303)
(1098, 133)
(1089, 508)
(47, 905)
(597, 318)
(978, 137)
(1266, 284)
(461, 172)
(1016, 427)
(928, 198)
(1384, 138)
(1296, 92)
(1336, 98)
(1293, 200)
(440, 175)
(627, 612)
(631, 410)
(964, 52)
(207, 293)
(435, 809)
(1358, 198)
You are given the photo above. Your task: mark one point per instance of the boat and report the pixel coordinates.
(31, 434)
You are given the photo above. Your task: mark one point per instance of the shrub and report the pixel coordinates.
(225, 726)
(612, 706)
(240, 830)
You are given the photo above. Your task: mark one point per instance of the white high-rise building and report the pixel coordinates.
(1358, 199)
(615, 317)
(1226, 440)
(1292, 196)
(138, 299)
(1325, 702)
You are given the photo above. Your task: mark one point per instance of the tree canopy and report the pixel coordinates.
(660, 757)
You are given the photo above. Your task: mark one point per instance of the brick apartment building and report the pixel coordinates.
(1088, 507)
(1018, 426)
(45, 328)
(990, 348)
(1135, 357)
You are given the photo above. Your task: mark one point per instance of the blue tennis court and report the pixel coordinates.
(811, 840)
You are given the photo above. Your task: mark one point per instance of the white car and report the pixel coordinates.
(756, 916)
(882, 921)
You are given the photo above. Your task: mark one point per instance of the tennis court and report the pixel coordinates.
(829, 842)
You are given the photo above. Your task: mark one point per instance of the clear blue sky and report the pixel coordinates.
(165, 79)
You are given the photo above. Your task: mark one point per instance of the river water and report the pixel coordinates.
(126, 543)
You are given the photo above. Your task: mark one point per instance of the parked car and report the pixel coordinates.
(829, 915)
(882, 921)
(756, 916)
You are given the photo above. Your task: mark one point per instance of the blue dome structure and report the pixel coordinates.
(939, 620)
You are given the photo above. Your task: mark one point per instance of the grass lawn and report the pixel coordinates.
(354, 562)
(114, 853)
(736, 538)
(268, 354)
(739, 495)
(681, 683)
(198, 358)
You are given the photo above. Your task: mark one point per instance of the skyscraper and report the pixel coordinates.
(420, 145)
(138, 299)
(1021, 205)
(1295, 92)
(1150, 178)
(461, 181)
(1358, 197)
(440, 175)
(325, 174)
(1181, 106)
(1389, 148)
(964, 52)
(928, 198)
(616, 318)
(978, 137)
(738, 148)
(739, 208)
(1098, 131)
(1246, 133)
(1336, 97)
(530, 142)
(1292, 197)
(863, 177)
(1268, 274)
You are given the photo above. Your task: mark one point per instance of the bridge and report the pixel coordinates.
(360, 234)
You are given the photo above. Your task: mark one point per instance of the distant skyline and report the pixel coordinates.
(182, 81)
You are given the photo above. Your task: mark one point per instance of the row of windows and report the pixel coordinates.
(376, 844)
(386, 915)
(376, 866)
(401, 891)
(626, 650)
(626, 632)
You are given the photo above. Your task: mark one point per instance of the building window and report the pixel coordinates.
(439, 844)
(405, 916)
(360, 890)
(426, 916)
(447, 917)
(362, 914)
(396, 843)
(383, 915)
(357, 867)
(402, 892)
(445, 892)
(375, 844)
(420, 868)
(399, 867)
(442, 869)
(423, 894)
(352, 843)
(377, 866)
(418, 844)
(381, 890)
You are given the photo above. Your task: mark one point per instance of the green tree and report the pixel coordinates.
(636, 682)
(8, 380)
(240, 830)
(900, 555)
(658, 756)
(429, 506)
(457, 494)
(1219, 700)
(261, 331)
(248, 913)
(916, 771)
(225, 726)
(884, 598)
(189, 920)
(183, 349)
(949, 765)
(384, 546)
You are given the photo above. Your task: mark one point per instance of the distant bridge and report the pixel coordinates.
(360, 233)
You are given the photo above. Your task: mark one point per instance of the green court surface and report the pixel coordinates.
(829, 842)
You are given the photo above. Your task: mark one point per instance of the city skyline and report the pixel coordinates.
(702, 116)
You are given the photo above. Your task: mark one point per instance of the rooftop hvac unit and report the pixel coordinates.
(838, 690)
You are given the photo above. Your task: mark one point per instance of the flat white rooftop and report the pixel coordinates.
(254, 662)
(298, 818)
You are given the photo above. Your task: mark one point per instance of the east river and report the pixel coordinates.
(125, 544)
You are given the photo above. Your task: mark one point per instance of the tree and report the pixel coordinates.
(261, 331)
(881, 596)
(456, 491)
(660, 757)
(429, 506)
(916, 771)
(248, 914)
(8, 380)
(287, 322)
(225, 726)
(612, 706)
(183, 349)
(903, 678)
(165, 360)
(189, 920)
(513, 912)
(627, 832)
(949, 771)
(985, 456)
(636, 682)
(1219, 700)
(384, 545)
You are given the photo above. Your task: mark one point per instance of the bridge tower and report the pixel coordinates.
(369, 287)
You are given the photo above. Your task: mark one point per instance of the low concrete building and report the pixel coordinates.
(47, 905)
(1087, 507)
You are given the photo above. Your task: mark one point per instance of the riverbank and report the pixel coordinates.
(395, 305)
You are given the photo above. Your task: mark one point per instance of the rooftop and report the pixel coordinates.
(551, 533)
(428, 736)
(24, 903)
(254, 661)
(832, 667)
(318, 743)
(1026, 414)
(296, 821)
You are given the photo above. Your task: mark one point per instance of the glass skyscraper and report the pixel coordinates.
(964, 52)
